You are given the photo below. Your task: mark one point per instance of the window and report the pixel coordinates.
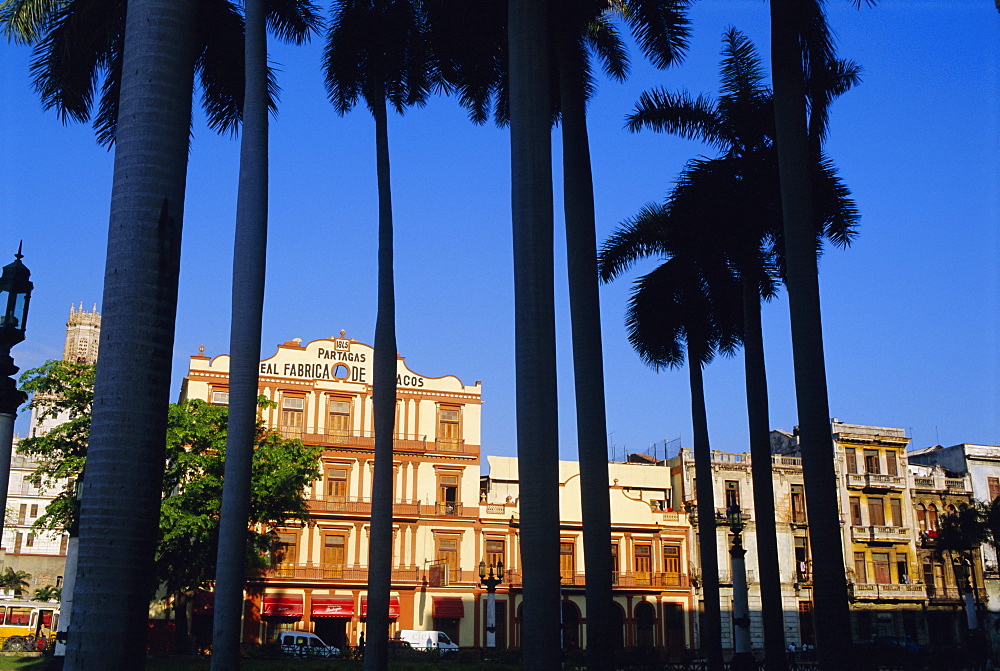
(63, 545)
(932, 522)
(902, 569)
(34, 510)
(929, 576)
(494, 552)
(447, 556)
(896, 506)
(643, 564)
(30, 541)
(856, 511)
(801, 559)
(336, 488)
(448, 503)
(220, 398)
(292, 411)
(732, 494)
(871, 461)
(22, 513)
(798, 505)
(567, 562)
(615, 567)
(850, 456)
(891, 464)
(860, 568)
(994, 487)
(334, 555)
(876, 512)
(18, 540)
(338, 419)
(922, 517)
(283, 555)
(880, 560)
(449, 433)
(672, 565)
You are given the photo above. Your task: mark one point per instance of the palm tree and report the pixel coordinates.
(149, 58)
(15, 581)
(48, 593)
(537, 430)
(249, 261)
(580, 29)
(741, 124)
(377, 50)
(686, 308)
(801, 51)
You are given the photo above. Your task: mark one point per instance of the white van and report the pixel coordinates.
(427, 640)
(305, 644)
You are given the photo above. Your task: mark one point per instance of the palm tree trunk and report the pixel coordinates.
(384, 401)
(535, 369)
(819, 476)
(763, 492)
(711, 626)
(120, 504)
(588, 359)
(249, 270)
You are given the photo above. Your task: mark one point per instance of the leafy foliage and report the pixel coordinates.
(16, 581)
(193, 477)
(48, 593)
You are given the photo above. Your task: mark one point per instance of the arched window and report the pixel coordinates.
(922, 517)
(932, 517)
(645, 624)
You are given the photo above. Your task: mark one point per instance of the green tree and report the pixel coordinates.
(192, 484)
(48, 593)
(15, 581)
(377, 51)
(744, 226)
(961, 531)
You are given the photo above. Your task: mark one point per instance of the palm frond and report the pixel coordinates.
(606, 43)
(679, 114)
(661, 28)
(293, 21)
(636, 238)
(27, 21)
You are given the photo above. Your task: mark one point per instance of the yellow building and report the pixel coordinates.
(447, 518)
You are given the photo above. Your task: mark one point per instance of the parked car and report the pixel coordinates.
(304, 644)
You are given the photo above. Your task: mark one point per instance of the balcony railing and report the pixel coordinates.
(726, 577)
(887, 533)
(956, 485)
(875, 481)
(619, 579)
(360, 506)
(401, 442)
(935, 593)
(448, 508)
(346, 574)
(872, 591)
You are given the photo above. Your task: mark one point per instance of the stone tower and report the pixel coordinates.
(83, 333)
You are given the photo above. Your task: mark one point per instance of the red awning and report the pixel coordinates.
(282, 605)
(393, 607)
(448, 606)
(332, 606)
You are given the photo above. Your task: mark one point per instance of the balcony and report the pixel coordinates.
(401, 442)
(619, 579)
(721, 519)
(943, 594)
(340, 574)
(875, 481)
(956, 486)
(726, 577)
(876, 592)
(928, 538)
(449, 508)
(360, 506)
(891, 534)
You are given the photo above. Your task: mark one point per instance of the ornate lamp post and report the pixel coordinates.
(15, 294)
(491, 576)
(742, 659)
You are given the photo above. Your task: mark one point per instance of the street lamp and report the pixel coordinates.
(742, 659)
(491, 576)
(15, 294)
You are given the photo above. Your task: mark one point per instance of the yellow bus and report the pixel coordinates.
(27, 625)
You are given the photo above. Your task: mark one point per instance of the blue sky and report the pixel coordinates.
(910, 312)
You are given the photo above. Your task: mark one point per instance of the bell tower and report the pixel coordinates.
(83, 334)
